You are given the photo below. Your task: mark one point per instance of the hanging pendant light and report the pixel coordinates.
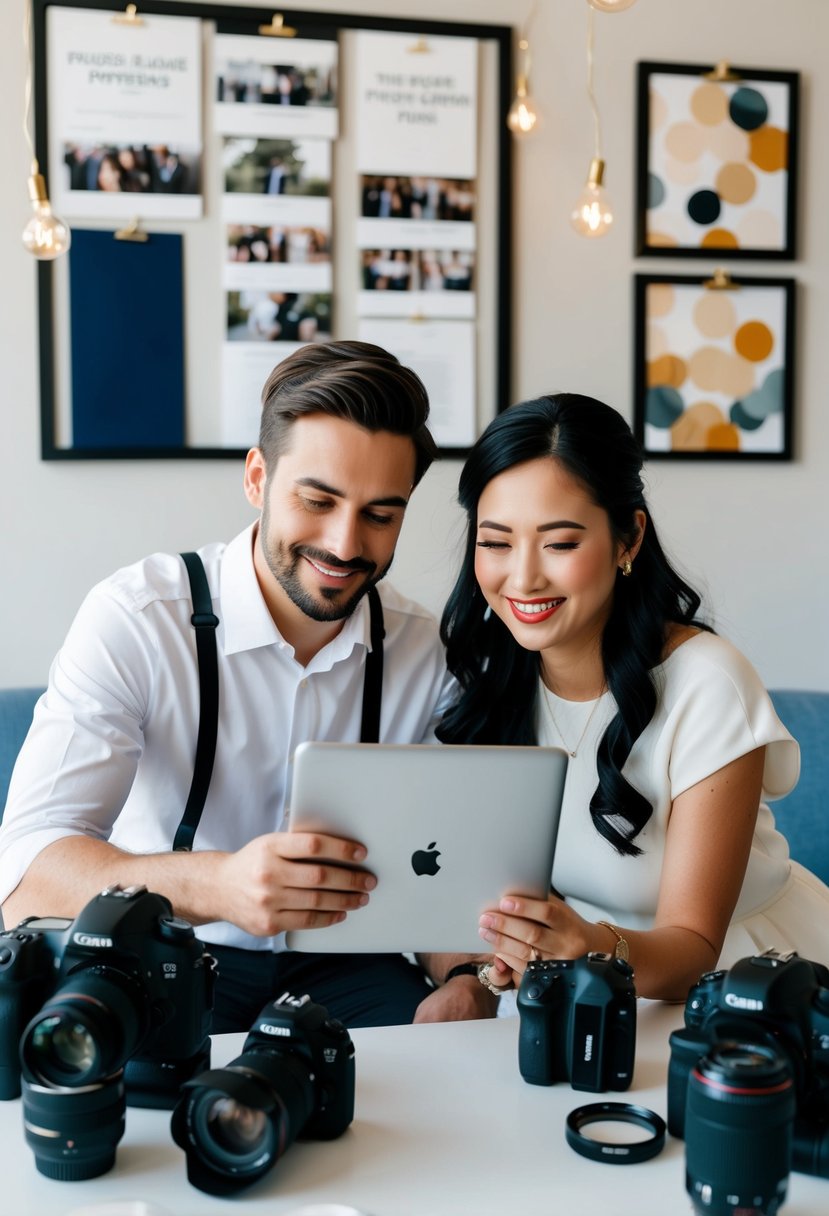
(592, 214)
(611, 6)
(523, 115)
(46, 236)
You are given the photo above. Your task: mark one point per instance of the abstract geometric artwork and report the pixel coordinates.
(713, 367)
(716, 162)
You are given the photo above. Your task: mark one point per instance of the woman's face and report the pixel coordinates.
(545, 559)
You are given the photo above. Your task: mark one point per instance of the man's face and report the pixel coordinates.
(331, 511)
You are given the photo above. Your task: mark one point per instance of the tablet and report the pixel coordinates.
(449, 830)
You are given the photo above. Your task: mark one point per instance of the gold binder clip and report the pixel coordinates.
(132, 232)
(417, 317)
(421, 47)
(721, 280)
(278, 28)
(722, 71)
(130, 17)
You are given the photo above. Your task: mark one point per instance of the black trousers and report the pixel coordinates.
(358, 989)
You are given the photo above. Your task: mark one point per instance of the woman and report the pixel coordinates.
(568, 627)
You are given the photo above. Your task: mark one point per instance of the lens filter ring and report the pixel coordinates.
(615, 1112)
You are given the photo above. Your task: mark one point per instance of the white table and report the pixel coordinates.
(444, 1125)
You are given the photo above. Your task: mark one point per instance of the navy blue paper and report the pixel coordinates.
(127, 341)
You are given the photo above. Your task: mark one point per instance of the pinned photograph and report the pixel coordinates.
(265, 86)
(291, 258)
(278, 316)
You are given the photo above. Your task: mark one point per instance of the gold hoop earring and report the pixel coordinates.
(627, 568)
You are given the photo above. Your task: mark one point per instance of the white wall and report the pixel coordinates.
(755, 536)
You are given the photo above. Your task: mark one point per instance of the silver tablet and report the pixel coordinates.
(449, 830)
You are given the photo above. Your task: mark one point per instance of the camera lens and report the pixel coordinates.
(236, 1122)
(86, 1030)
(738, 1129)
(235, 1132)
(74, 1132)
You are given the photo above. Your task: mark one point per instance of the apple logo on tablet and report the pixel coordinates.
(425, 861)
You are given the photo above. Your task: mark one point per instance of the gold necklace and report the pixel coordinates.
(571, 751)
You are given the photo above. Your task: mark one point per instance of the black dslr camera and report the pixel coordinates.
(295, 1077)
(110, 1008)
(768, 1015)
(578, 1022)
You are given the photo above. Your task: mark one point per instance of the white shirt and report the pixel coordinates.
(110, 752)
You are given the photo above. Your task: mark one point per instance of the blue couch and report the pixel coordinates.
(803, 816)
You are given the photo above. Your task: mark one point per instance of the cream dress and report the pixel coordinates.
(712, 709)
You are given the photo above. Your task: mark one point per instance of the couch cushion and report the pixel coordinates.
(16, 708)
(803, 815)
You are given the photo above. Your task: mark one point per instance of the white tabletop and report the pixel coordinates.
(444, 1125)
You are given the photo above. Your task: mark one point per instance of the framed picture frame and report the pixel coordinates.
(713, 367)
(252, 203)
(717, 154)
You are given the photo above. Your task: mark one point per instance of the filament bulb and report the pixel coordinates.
(45, 236)
(593, 214)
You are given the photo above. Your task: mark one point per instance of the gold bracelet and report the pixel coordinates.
(622, 950)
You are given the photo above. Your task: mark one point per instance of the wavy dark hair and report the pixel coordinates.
(498, 678)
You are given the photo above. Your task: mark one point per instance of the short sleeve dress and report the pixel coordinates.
(712, 708)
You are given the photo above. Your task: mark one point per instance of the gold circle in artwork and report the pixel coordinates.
(723, 438)
(709, 104)
(656, 341)
(714, 314)
(690, 431)
(719, 371)
(735, 183)
(719, 238)
(661, 240)
(660, 299)
(727, 142)
(760, 229)
(678, 173)
(657, 109)
(668, 370)
(685, 141)
(769, 149)
(754, 341)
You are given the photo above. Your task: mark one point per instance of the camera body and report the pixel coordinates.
(127, 955)
(775, 1001)
(294, 1078)
(578, 1022)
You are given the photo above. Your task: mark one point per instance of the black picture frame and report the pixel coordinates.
(742, 369)
(737, 203)
(496, 329)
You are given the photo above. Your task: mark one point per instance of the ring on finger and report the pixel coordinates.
(483, 978)
(534, 955)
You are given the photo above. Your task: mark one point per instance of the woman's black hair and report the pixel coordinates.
(498, 678)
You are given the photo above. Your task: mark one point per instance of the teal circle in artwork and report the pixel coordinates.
(743, 420)
(768, 398)
(748, 109)
(656, 191)
(663, 405)
(704, 207)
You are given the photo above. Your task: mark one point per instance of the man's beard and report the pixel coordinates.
(284, 564)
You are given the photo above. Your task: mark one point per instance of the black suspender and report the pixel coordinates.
(205, 622)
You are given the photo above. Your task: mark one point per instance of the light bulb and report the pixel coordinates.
(45, 236)
(522, 115)
(611, 6)
(592, 214)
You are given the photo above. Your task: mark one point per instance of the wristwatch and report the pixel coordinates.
(460, 969)
(622, 951)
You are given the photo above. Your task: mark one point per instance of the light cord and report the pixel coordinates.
(27, 93)
(590, 90)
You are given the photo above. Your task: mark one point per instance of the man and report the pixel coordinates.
(101, 783)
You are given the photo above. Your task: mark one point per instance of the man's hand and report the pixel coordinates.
(462, 999)
(292, 880)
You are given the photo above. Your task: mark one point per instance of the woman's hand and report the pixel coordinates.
(523, 929)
